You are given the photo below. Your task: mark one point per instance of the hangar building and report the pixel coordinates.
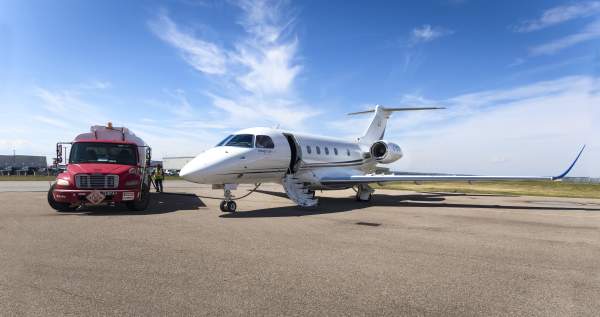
(19, 161)
(9, 164)
(175, 163)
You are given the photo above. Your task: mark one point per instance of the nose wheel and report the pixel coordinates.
(228, 205)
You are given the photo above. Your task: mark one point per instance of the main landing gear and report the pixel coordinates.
(364, 192)
(228, 205)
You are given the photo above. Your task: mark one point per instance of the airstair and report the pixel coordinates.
(299, 192)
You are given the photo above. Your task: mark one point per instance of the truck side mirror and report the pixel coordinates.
(148, 156)
(59, 153)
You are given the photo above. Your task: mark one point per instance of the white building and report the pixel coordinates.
(175, 163)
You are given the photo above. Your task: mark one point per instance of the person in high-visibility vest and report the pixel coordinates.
(158, 175)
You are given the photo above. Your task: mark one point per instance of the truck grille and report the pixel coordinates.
(96, 181)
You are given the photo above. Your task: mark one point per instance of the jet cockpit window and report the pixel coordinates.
(241, 140)
(224, 140)
(264, 142)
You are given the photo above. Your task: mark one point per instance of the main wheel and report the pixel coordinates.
(60, 207)
(142, 203)
(231, 206)
(359, 194)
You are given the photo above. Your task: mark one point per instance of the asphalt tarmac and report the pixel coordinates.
(404, 253)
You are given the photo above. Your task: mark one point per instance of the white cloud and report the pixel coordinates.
(270, 70)
(202, 55)
(53, 122)
(426, 33)
(560, 14)
(534, 129)
(263, 19)
(68, 107)
(96, 85)
(253, 81)
(590, 32)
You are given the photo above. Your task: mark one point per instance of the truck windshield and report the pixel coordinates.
(111, 153)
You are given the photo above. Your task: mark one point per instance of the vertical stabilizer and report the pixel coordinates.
(376, 129)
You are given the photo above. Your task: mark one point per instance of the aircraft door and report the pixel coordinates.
(296, 154)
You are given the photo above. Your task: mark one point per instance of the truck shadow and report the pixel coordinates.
(160, 203)
(329, 205)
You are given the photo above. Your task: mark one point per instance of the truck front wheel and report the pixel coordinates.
(60, 207)
(142, 203)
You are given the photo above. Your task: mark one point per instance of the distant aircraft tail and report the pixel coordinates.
(376, 129)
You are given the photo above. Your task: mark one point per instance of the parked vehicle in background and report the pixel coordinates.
(171, 172)
(107, 166)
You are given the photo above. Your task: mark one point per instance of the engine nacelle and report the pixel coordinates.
(386, 152)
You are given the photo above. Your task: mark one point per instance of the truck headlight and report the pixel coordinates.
(62, 182)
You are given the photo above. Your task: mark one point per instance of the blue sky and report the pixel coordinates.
(519, 78)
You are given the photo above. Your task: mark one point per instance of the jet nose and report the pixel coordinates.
(185, 171)
(193, 171)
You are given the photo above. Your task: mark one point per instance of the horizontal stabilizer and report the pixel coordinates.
(376, 129)
(397, 109)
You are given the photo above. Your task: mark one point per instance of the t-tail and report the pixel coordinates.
(376, 129)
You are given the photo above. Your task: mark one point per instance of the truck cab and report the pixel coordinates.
(103, 168)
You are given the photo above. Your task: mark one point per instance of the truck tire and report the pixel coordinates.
(142, 203)
(60, 207)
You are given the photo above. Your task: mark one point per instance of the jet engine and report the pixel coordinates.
(386, 152)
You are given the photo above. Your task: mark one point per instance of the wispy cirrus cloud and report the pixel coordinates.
(589, 32)
(534, 129)
(204, 56)
(427, 33)
(559, 14)
(254, 77)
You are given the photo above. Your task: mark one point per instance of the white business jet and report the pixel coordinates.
(304, 163)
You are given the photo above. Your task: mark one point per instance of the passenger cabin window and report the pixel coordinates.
(308, 149)
(335, 151)
(348, 152)
(224, 140)
(318, 150)
(264, 142)
(241, 140)
(326, 151)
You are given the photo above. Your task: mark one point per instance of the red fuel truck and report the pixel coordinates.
(106, 166)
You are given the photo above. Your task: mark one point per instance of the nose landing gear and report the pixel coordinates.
(228, 205)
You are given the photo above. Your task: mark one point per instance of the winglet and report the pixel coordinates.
(561, 176)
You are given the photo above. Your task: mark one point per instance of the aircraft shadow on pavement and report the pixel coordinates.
(160, 203)
(426, 200)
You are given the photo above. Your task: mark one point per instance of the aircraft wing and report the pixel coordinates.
(358, 179)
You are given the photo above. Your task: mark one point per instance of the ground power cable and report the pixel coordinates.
(209, 197)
